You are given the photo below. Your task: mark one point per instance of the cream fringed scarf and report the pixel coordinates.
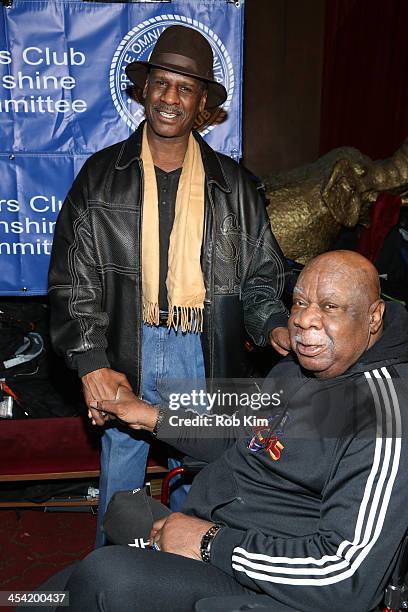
(185, 285)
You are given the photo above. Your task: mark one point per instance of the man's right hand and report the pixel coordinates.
(102, 384)
(129, 409)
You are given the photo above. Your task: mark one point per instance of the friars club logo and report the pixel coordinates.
(138, 44)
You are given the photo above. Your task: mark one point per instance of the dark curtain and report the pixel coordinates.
(365, 76)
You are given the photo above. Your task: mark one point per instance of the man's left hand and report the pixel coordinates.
(279, 338)
(180, 534)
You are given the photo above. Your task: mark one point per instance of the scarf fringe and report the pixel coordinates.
(188, 318)
(151, 313)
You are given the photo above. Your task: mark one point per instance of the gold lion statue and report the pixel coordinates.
(309, 205)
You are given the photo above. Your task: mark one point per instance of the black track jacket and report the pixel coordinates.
(315, 521)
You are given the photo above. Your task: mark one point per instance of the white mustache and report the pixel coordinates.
(315, 340)
(310, 340)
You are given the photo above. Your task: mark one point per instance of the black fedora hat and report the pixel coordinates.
(185, 51)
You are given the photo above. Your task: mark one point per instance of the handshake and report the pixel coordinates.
(126, 407)
(109, 395)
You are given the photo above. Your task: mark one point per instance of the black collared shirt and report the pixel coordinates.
(167, 185)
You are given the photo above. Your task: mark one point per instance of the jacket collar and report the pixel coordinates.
(131, 149)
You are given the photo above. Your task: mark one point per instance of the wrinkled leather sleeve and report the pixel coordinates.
(78, 322)
(263, 267)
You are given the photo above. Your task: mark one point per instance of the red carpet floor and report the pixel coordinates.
(36, 544)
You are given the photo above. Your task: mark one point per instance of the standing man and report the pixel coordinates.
(162, 254)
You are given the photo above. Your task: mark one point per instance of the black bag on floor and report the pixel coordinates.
(30, 386)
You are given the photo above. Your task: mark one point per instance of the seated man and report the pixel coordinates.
(307, 514)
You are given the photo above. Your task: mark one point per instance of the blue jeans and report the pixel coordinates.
(172, 362)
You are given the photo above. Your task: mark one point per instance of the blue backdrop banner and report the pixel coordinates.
(64, 94)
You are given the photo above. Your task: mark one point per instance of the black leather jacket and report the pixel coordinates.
(95, 270)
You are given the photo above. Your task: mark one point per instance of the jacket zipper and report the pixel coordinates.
(211, 318)
(139, 322)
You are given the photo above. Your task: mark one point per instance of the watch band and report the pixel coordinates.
(159, 420)
(206, 542)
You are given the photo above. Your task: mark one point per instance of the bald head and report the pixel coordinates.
(352, 272)
(336, 313)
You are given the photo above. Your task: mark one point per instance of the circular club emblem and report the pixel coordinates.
(138, 44)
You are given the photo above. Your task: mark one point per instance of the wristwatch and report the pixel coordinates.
(159, 420)
(206, 542)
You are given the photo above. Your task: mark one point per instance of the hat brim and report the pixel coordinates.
(137, 73)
